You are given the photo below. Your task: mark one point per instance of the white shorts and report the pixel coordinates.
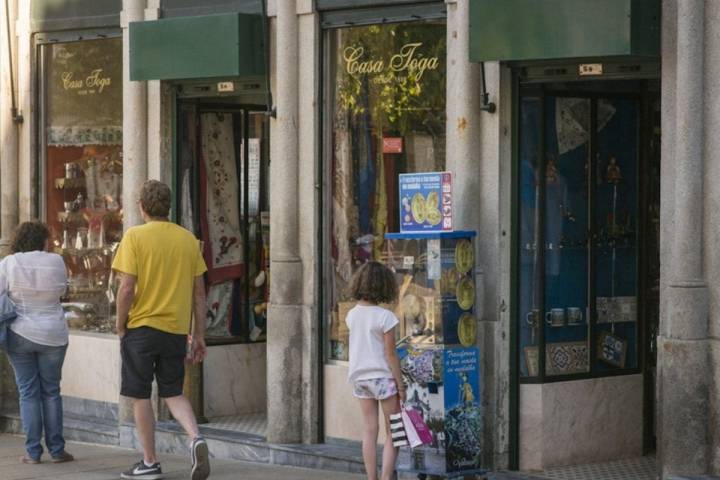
(377, 388)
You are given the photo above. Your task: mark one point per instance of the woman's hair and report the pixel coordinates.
(30, 236)
(375, 283)
(155, 199)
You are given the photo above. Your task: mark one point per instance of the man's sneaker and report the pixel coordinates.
(200, 459)
(142, 471)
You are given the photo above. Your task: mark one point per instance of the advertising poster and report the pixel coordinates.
(463, 419)
(425, 202)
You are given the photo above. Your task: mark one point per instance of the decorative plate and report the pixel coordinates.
(418, 208)
(467, 330)
(464, 256)
(465, 293)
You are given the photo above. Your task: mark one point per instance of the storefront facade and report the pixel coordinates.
(591, 315)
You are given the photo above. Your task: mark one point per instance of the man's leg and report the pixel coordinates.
(182, 412)
(145, 424)
(170, 373)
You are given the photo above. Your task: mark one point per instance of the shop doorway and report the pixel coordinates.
(587, 271)
(222, 174)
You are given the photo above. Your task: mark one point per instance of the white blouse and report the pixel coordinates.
(35, 281)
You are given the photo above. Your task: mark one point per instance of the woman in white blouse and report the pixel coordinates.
(38, 338)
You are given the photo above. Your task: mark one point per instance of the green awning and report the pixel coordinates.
(211, 46)
(516, 30)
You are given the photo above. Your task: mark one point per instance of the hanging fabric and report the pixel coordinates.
(219, 196)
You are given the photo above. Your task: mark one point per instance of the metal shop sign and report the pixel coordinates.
(425, 202)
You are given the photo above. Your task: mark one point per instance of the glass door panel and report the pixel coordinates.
(567, 154)
(616, 233)
(530, 261)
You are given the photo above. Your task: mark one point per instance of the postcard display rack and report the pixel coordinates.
(437, 348)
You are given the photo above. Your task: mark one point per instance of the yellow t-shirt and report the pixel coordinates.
(165, 258)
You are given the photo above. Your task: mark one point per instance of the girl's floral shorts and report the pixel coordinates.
(377, 388)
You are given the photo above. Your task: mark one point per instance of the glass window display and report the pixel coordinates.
(578, 236)
(82, 131)
(386, 86)
(229, 211)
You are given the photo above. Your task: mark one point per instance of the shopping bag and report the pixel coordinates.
(397, 430)
(416, 429)
(7, 315)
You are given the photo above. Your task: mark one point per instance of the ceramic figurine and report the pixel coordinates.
(613, 171)
(551, 172)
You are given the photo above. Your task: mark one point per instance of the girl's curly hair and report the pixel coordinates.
(375, 283)
(30, 236)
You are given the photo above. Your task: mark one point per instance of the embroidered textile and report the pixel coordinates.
(220, 196)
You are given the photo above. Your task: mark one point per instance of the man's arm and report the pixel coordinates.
(124, 300)
(199, 349)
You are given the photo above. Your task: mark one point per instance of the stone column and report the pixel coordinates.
(27, 138)
(134, 121)
(134, 143)
(8, 129)
(463, 116)
(284, 339)
(683, 350)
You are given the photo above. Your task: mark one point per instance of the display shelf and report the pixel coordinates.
(79, 251)
(65, 217)
(64, 183)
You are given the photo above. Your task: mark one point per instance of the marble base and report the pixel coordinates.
(235, 379)
(82, 407)
(343, 419)
(92, 367)
(583, 421)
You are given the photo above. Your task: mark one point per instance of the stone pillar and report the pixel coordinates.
(8, 129)
(134, 143)
(683, 349)
(284, 339)
(27, 138)
(463, 116)
(134, 121)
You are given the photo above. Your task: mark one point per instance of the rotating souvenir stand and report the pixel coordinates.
(437, 348)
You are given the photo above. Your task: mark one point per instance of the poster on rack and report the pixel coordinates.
(425, 202)
(463, 415)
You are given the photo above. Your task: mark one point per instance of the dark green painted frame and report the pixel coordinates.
(516, 30)
(514, 374)
(210, 46)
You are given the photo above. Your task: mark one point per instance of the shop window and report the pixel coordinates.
(386, 116)
(82, 149)
(579, 189)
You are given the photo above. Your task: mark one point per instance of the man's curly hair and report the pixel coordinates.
(155, 199)
(29, 237)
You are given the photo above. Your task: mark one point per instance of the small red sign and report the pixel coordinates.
(392, 144)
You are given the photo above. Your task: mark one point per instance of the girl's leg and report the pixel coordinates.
(389, 406)
(369, 407)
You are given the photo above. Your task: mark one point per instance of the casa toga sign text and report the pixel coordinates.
(95, 82)
(408, 59)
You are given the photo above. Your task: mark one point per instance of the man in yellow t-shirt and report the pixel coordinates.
(161, 284)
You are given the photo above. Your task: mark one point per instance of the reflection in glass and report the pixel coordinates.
(387, 91)
(83, 170)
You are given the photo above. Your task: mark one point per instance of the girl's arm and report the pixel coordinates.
(394, 361)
